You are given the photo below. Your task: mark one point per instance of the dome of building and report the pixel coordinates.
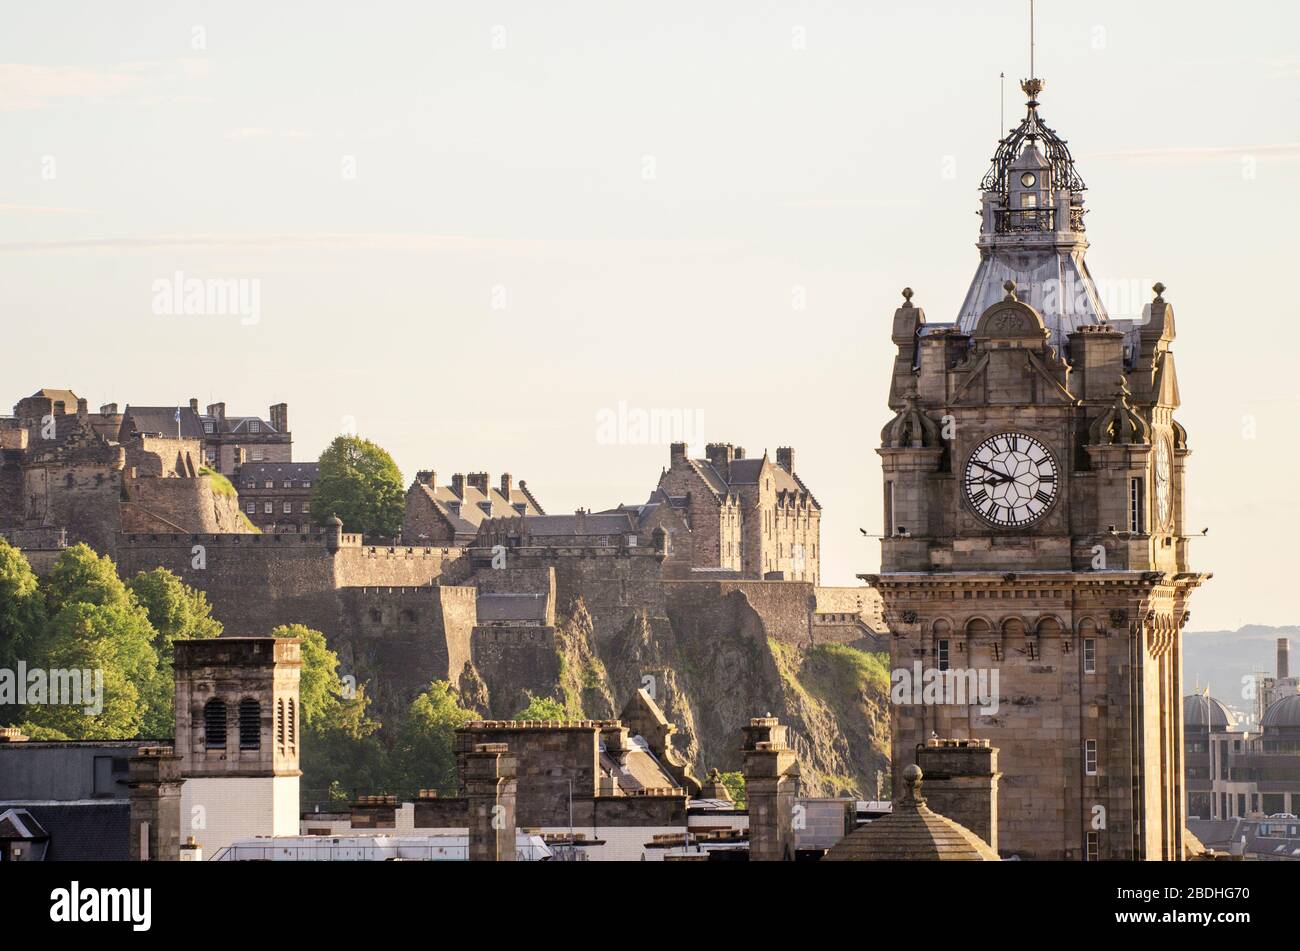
(1200, 709)
(912, 833)
(1283, 714)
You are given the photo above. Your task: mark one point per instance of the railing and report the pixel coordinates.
(270, 852)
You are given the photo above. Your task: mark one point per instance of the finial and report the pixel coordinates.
(1010, 288)
(1159, 289)
(912, 778)
(907, 297)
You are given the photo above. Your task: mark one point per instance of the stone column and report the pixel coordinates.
(771, 786)
(154, 780)
(489, 777)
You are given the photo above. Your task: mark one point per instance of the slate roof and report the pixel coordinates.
(239, 424)
(161, 420)
(466, 512)
(611, 523)
(259, 472)
(83, 831)
(1242, 836)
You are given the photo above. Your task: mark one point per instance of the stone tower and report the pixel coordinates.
(238, 728)
(1033, 522)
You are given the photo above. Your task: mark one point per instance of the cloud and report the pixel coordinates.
(257, 132)
(356, 241)
(43, 210)
(24, 86)
(852, 203)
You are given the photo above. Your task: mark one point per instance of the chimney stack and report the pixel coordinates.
(154, 789)
(961, 783)
(218, 411)
(720, 455)
(507, 484)
(108, 409)
(1283, 658)
(81, 407)
(458, 485)
(676, 453)
(771, 786)
(427, 477)
(478, 480)
(194, 404)
(490, 788)
(785, 459)
(280, 417)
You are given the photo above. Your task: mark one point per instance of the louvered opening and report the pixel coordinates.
(214, 725)
(250, 724)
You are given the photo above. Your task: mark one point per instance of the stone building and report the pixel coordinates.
(451, 514)
(238, 732)
(87, 476)
(1235, 774)
(754, 517)
(276, 496)
(231, 441)
(1034, 522)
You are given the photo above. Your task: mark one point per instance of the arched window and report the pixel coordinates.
(250, 724)
(279, 724)
(214, 724)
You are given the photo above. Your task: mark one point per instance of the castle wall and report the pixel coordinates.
(784, 607)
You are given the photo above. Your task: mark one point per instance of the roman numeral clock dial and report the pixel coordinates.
(1011, 480)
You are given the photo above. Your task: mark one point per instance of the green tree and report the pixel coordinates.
(341, 748)
(542, 708)
(96, 624)
(176, 612)
(424, 751)
(359, 482)
(735, 783)
(22, 615)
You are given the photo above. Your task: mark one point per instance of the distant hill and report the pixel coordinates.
(1220, 659)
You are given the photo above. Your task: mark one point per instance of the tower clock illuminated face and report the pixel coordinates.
(1164, 490)
(1011, 480)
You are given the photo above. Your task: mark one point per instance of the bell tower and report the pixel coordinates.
(238, 730)
(1034, 539)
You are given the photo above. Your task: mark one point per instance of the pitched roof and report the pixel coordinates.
(277, 471)
(466, 511)
(912, 832)
(83, 831)
(161, 420)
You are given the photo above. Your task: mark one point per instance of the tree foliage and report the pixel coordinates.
(359, 482)
(543, 708)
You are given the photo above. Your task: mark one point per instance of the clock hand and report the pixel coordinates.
(1002, 476)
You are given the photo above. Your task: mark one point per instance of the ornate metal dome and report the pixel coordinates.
(1033, 131)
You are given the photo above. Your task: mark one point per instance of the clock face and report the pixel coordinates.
(1011, 480)
(1164, 488)
(1028, 179)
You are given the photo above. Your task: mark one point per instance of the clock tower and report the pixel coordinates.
(1033, 521)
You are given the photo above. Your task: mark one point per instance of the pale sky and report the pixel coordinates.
(475, 227)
